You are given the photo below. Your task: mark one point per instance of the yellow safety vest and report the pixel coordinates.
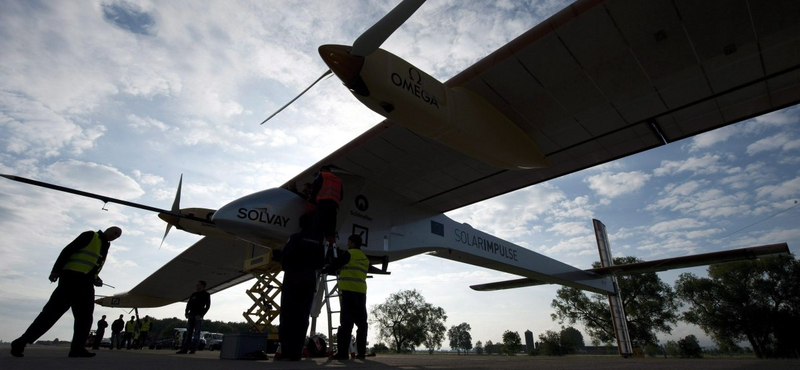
(145, 325)
(87, 257)
(353, 276)
(130, 326)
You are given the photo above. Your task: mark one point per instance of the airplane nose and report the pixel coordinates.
(344, 65)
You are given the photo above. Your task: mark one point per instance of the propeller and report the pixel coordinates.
(373, 38)
(328, 72)
(176, 208)
(369, 41)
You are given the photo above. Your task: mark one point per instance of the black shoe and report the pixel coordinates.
(191, 352)
(361, 357)
(341, 357)
(287, 359)
(181, 352)
(83, 353)
(17, 348)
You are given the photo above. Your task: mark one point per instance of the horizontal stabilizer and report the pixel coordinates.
(694, 260)
(657, 265)
(508, 284)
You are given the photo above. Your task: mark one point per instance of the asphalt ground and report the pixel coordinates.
(55, 358)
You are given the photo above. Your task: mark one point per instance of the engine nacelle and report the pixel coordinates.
(455, 117)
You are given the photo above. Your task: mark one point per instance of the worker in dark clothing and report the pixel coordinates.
(301, 258)
(116, 332)
(76, 271)
(326, 193)
(353, 265)
(197, 306)
(102, 324)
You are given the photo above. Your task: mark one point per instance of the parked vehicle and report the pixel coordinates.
(213, 341)
(176, 340)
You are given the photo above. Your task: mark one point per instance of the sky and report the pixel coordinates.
(121, 98)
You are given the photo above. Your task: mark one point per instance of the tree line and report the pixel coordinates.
(754, 301)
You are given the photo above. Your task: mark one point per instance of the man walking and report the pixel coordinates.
(196, 308)
(76, 271)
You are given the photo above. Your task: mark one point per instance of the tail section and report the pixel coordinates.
(614, 299)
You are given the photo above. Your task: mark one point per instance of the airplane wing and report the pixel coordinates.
(218, 261)
(598, 81)
(657, 265)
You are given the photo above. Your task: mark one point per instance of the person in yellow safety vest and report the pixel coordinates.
(144, 331)
(136, 335)
(326, 193)
(76, 271)
(353, 265)
(130, 330)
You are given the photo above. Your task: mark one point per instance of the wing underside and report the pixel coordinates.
(217, 261)
(598, 81)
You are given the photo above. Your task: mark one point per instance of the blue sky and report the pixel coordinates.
(122, 97)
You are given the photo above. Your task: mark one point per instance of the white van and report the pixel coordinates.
(213, 340)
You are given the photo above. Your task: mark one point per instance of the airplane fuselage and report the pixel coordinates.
(270, 216)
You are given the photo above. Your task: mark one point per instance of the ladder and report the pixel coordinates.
(327, 294)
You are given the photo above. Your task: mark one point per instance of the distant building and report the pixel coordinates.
(529, 343)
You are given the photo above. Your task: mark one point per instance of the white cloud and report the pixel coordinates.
(676, 225)
(775, 142)
(612, 185)
(143, 124)
(711, 138)
(571, 228)
(93, 177)
(707, 164)
(785, 190)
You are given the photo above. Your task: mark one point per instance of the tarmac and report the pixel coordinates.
(38, 357)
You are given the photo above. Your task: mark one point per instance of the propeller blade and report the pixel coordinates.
(373, 38)
(328, 72)
(166, 232)
(176, 204)
(176, 208)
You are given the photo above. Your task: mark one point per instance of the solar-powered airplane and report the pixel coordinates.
(598, 81)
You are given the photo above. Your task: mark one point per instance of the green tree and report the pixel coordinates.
(552, 343)
(649, 303)
(380, 348)
(757, 301)
(512, 343)
(479, 348)
(405, 319)
(689, 347)
(672, 348)
(460, 338)
(490, 347)
(434, 333)
(570, 335)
